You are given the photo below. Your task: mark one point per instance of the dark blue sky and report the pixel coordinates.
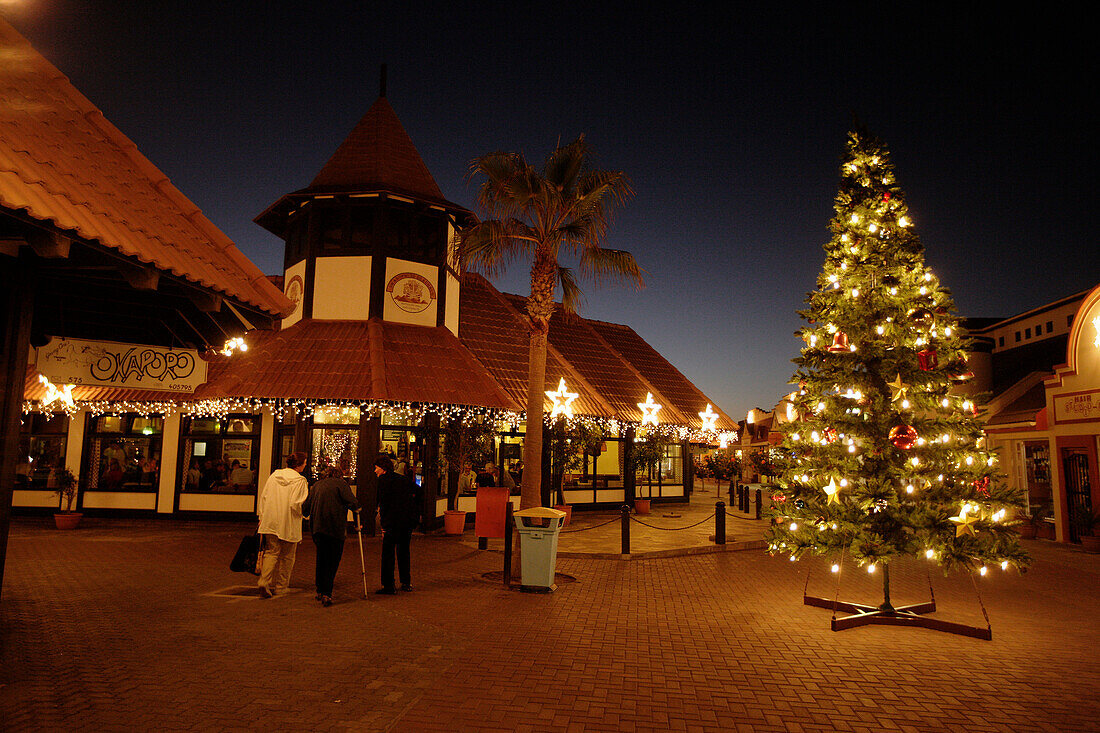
(730, 123)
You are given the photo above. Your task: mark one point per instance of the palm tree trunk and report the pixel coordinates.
(530, 486)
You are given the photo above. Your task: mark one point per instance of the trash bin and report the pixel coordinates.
(538, 529)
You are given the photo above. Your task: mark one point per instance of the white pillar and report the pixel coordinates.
(169, 463)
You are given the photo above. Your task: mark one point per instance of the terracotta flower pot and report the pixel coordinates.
(67, 520)
(1045, 531)
(454, 522)
(568, 509)
(1090, 543)
(1027, 531)
(641, 506)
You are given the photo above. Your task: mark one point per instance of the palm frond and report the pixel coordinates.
(614, 265)
(490, 246)
(564, 166)
(571, 294)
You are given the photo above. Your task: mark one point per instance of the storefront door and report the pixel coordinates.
(1078, 490)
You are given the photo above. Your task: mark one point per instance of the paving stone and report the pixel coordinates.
(114, 627)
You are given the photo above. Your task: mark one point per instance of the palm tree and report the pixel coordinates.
(564, 207)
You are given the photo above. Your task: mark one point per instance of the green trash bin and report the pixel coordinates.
(538, 529)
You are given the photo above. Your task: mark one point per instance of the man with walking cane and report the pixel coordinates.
(327, 506)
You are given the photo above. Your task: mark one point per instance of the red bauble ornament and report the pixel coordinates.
(928, 359)
(886, 196)
(903, 436)
(840, 343)
(982, 485)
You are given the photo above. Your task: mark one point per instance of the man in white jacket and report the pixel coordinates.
(280, 510)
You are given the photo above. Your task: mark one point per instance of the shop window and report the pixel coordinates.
(672, 464)
(124, 453)
(220, 455)
(41, 455)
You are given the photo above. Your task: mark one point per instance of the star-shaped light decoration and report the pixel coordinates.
(64, 395)
(709, 418)
(832, 490)
(724, 439)
(562, 400)
(899, 388)
(649, 409)
(965, 522)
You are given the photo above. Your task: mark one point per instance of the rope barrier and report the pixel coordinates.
(672, 529)
(594, 526)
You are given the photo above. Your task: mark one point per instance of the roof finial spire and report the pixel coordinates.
(382, 82)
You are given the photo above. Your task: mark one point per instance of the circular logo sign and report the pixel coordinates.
(294, 290)
(410, 292)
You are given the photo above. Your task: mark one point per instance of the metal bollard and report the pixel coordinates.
(759, 502)
(625, 513)
(741, 490)
(731, 493)
(719, 523)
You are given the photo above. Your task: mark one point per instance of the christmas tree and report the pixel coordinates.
(882, 460)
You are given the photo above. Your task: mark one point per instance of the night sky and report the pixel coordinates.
(730, 123)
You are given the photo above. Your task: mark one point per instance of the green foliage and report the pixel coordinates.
(66, 488)
(569, 441)
(540, 214)
(719, 466)
(466, 441)
(852, 483)
(761, 461)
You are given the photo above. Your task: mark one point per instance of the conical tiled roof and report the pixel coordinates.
(378, 155)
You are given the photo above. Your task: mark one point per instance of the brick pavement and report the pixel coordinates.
(116, 627)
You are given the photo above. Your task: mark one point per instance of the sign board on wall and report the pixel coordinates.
(411, 293)
(295, 290)
(1077, 406)
(112, 364)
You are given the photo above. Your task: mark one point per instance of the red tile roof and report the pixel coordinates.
(356, 360)
(378, 155)
(493, 327)
(62, 162)
(608, 365)
(676, 389)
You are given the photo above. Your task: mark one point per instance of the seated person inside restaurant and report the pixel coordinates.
(239, 476)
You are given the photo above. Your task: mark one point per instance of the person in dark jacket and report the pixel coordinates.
(399, 505)
(327, 507)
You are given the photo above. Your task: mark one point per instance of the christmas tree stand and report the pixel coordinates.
(886, 615)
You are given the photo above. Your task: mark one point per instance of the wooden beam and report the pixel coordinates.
(204, 301)
(140, 278)
(48, 245)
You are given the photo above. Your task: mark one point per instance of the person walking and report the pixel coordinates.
(399, 505)
(327, 508)
(280, 510)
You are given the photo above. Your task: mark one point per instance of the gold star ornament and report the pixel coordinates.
(965, 522)
(899, 388)
(832, 490)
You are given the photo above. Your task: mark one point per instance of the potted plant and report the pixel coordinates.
(66, 490)
(1089, 532)
(463, 442)
(1043, 529)
(648, 452)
